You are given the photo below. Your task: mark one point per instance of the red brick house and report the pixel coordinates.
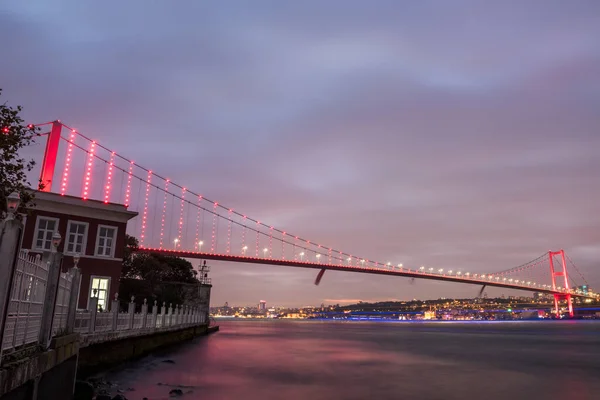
(90, 228)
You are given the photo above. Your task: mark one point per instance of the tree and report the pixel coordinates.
(131, 246)
(155, 268)
(14, 136)
(154, 276)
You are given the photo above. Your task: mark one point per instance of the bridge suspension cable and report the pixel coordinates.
(318, 250)
(577, 270)
(231, 235)
(528, 265)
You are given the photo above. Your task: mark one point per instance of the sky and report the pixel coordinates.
(461, 134)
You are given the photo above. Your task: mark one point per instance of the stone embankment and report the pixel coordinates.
(96, 358)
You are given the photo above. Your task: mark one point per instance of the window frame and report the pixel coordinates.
(112, 250)
(90, 288)
(85, 237)
(34, 245)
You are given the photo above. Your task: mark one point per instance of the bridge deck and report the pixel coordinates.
(407, 273)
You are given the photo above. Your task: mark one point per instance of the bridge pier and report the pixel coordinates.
(319, 277)
(569, 299)
(562, 272)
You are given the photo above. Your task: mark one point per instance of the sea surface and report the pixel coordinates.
(311, 360)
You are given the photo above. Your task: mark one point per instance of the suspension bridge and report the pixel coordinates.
(175, 220)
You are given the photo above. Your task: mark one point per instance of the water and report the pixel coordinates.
(355, 360)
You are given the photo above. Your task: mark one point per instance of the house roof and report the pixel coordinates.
(76, 206)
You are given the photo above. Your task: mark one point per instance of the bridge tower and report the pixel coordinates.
(561, 273)
(50, 155)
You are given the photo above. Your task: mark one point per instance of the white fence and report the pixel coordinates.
(61, 309)
(132, 323)
(26, 302)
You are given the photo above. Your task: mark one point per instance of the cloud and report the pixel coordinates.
(460, 135)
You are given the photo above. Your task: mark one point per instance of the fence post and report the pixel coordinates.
(154, 314)
(114, 309)
(10, 234)
(163, 312)
(131, 312)
(93, 312)
(184, 314)
(144, 313)
(74, 299)
(54, 262)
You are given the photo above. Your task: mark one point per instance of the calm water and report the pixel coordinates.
(354, 360)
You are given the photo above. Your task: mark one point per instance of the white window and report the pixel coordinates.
(99, 287)
(76, 237)
(105, 242)
(44, 230)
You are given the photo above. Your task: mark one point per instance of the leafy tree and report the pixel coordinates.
(14, 135)
(156, 268)
(155, 276)
(131, 246)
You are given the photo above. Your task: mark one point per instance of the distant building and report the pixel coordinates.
(585, 289)
(262, 305)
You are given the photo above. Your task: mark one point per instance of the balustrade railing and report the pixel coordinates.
(150, 318)
(63, 297)
(25, 306)
(30, 317)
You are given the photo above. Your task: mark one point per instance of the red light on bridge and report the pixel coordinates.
(145, 214)
(109, 178)
(128, 189)
(88, 173)
(65, 179)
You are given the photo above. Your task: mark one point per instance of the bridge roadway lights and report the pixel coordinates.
(339, 267)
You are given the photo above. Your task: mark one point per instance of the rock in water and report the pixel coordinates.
(83, 391)
(176, 393)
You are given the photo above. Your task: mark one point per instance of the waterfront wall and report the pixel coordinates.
(42, 375)
(103, 352)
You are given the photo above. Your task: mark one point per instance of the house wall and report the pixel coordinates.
(89, 264)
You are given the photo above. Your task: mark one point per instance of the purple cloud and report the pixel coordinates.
(459, 136)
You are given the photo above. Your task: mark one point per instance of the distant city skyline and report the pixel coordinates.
(460, 135)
